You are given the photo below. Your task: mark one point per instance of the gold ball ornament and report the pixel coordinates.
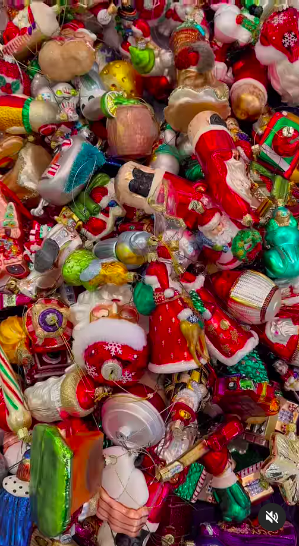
(121, 76)
(248, 102)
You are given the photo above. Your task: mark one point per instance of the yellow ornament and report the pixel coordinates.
(121, 76)
(12, 336)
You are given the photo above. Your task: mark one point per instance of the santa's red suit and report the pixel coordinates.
(226, 339)
(281, 335)
(224, 172)
(144, 188)
(169, 353)
(217, 227)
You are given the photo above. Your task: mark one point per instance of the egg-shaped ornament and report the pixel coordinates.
(121, 76)
(133, 131)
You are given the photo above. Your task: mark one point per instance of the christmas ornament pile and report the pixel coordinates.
(149, 262)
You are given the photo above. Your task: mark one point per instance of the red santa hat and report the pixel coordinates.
(141, 28)
(73, 25)
(248, 70)
(157, 277)
(209, 219)
(279, 36)
(110, 331)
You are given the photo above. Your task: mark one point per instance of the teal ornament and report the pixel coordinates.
(281, 257)
(88, 161)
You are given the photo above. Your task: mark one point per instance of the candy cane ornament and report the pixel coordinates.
(18, 417)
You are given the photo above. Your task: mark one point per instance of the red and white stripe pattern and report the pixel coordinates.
(18, 417)
(199, 485)
(16, 45)
(53, 169)
(250, 470)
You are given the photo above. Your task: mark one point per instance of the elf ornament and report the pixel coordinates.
(224, 170)
(277, 49)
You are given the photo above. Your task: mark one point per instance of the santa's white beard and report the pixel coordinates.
(237, 180)
(226, 236)
(284, 77)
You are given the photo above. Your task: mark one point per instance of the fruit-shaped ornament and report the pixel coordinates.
(121, 76)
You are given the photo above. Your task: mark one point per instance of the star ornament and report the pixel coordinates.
(282, 466)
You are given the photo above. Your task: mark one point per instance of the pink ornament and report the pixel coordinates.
(133, 131)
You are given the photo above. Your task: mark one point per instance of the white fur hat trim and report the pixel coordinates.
(111, 330)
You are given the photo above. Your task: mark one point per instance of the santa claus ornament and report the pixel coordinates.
(232, 246)
(248, 93)
(113, 347)
(224, 170)
(171, 319)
